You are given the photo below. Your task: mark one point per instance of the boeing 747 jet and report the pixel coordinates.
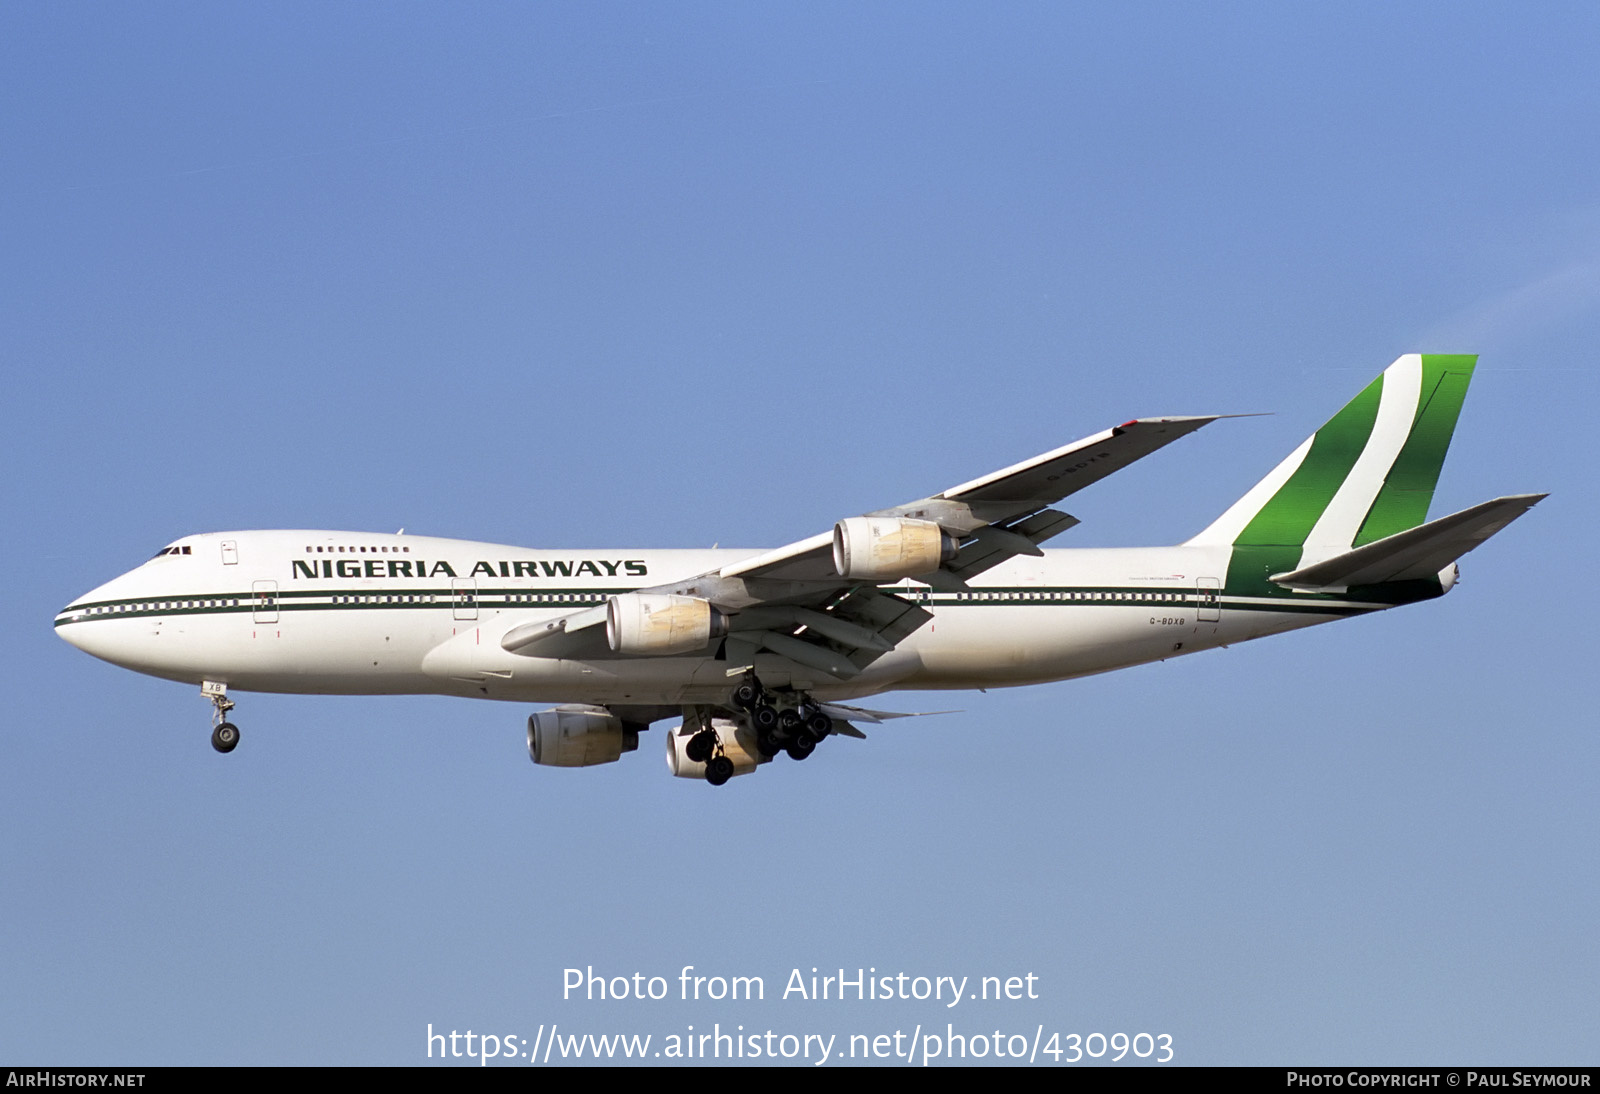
(757, 653)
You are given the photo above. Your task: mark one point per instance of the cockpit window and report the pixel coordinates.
(183, 550)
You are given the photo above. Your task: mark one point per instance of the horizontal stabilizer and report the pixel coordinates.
(1415, 553)
(842, 716)
(862, 714)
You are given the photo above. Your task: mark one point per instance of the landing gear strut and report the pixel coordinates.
(224, 734)
(701, 746)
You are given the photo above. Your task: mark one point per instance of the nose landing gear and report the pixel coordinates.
(224, 734)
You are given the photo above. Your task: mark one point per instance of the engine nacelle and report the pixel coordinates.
(661, 623)
(738, 744)
(578, 736)
(889, 548)
(1449, 576)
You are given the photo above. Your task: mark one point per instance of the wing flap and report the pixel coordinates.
(890, 617)
(828, 624)
(851, 634)
(810, 654)
(992, 545)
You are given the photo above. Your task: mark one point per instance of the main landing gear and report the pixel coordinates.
(224, 734)
(789, 722)
(705, 747)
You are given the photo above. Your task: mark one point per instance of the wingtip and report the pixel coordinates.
(1195, 420)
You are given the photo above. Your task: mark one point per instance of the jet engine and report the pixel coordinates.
(888, 548)
(738, 745)
(661, 623)
(578, 736)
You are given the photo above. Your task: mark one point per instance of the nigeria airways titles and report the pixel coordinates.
(518, 568)
(753, 654)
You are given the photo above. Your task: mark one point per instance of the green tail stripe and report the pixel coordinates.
(1403, 500)
(1288, 517)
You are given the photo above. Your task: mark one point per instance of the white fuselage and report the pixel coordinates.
(354, 613)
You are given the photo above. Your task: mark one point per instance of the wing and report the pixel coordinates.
(1000, 515)
(824, 603)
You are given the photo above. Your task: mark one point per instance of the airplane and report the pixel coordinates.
(759, 652)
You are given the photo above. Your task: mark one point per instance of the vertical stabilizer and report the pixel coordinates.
(1368, 473)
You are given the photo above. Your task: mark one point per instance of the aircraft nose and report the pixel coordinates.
(72, 625)
(96, 622)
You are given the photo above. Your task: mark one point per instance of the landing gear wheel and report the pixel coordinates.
(800, 748)
(789, 721)
(747, 695)
(700, 746)
(764, 718)
(768, 745)
(719, 769)
(818, 726)
(225, 738)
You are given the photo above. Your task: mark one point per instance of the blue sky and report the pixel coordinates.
(568, 276)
